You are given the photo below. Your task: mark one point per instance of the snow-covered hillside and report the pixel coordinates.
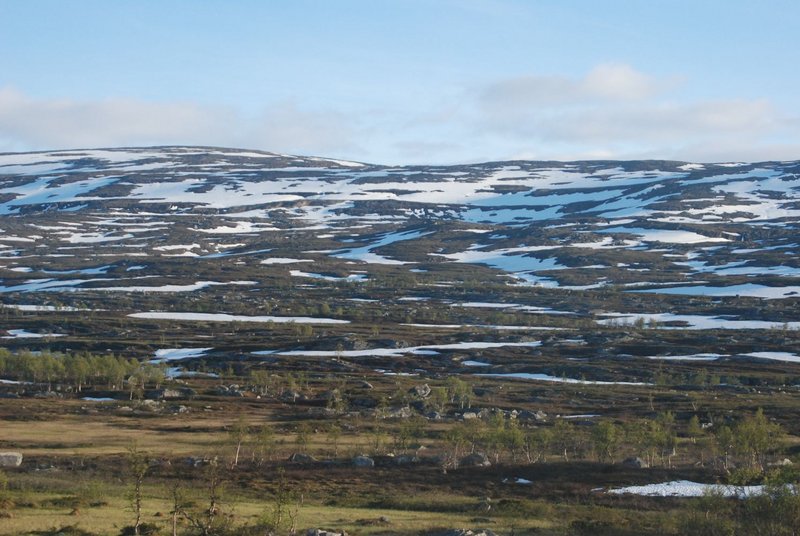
(532, 220)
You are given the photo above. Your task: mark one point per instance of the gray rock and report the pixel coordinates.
(403, 412)
(363, 402)
(291, 396)
(321, 412)
(325, 532)
(10, 459)
(635, 462)
(230, 390)
(363, 461)
(477, 459)
(422, 391)
(160, 394)
(466, 532)
(405, 459)
(539, 416)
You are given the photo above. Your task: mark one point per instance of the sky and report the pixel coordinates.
(407, 81)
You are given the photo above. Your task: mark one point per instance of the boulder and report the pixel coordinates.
(10, 459)
(538, 416)
(405, 459)
(325, 532)
(318, 412)
(363, 461)
(477, 459)
(403, 412)
(229, 390)
(635, 462)
(363, 402)
(465, 532)
(421, 391)
(299, 457)
(291, 396)
(161, 394)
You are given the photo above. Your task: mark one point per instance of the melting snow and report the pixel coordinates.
(687, 488)
(777, 356)
(221, 317)
(548, 378)
(175, 354)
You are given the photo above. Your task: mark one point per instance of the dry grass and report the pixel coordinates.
(110, 518)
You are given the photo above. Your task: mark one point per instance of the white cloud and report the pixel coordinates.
(620, 81)
(618, 112)
(28, 123)
(604, 83)
(612, 111)
(57, 123)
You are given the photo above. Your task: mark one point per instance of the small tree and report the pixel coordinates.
(535, 444)
(606, 438)
(334, 435)
(724, 444)
(281, 515)
(209, 520)
(264, 444)
(302, 438)
(754, 436)
(138, 464)
(563, 437)
(238, 433)
(459, 391)
(693, 429)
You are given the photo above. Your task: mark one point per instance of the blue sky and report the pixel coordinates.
(406, 81)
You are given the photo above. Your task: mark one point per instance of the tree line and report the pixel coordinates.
(79, 370)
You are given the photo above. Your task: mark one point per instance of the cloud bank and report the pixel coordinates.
(27, 123)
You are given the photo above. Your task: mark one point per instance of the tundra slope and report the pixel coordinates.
(444, 249)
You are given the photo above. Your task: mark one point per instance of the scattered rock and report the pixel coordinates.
(10, 459)
(477, 459)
